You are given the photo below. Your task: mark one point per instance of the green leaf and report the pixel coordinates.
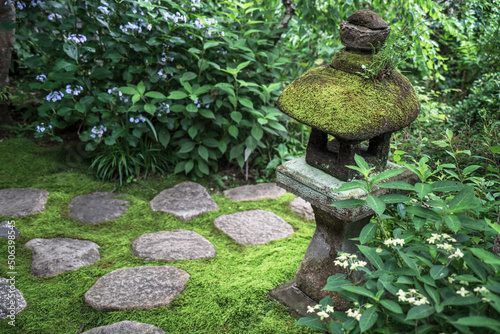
(397, 185)
(432, 293)
(189, 166)
(464, 200)
(233, 131)
(164, 137)
(177, 95)
(313, 323)
(355, 184)
(446, 186)
(361, 162)
(480, 321)
(210, 44)
(459, 300)
(376, 204)
(242, 66)
(63, 64)
(156, 95)
(423, 213)
(71, 50)
(141, 88)
(206, 113)
(469, 169)
(203, 152)
(246, 102)
(439, 271)
(419, 312)
(385, 175)
(394, 198)
(409, 262)
(485, 256)
(368, 319)
(186, 76)
(475, 265)
(257, 132)
(210, 142)
(336, 327)
(186, 147)
(453, 223)
(236, 116)
(391, 305)
(422, 189)
(192, 132)
(136, 98)
(336, 283)
(226, 87)
(128, 90)
(150, 108)
(372, 256)
(359, 290)
(349, 203)
(368, 232)
(202, 166)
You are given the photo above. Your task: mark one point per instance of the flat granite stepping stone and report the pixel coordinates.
(97, 207)
(303, 208)
(127, 327)
(172, 245)
(52, 257)
(20, 202)
(253, 227)
(186, 201)
(254, 192)
(6, 230)
(139, 288)
(11, 300)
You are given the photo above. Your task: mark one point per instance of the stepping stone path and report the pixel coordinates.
(173, 245)
(20, 202)
(303, 208)
(52, 257)
(97, 207)
(254, 192)
(7, 308)
(254, 227)
(126, 327)
(139, 288)
(6, 229)
(186, 201)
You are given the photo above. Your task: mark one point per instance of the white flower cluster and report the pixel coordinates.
(323, 310)
(458, 254)
(412, 296)
(77, 38)
(356, 314)
(441, 237)
(346, 260)
(394, 242)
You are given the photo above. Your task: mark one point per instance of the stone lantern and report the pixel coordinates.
(360, 114)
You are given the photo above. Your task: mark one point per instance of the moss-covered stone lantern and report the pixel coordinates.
(336, 100)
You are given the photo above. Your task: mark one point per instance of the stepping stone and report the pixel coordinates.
(303, 208)
(172, 245)
(127, 327)
(97, 207)
(254, 227)
(255, 192)
(139, 288)
(11, 300)
(7, 230)
(20, 202)
(186, 201)
(52, 257)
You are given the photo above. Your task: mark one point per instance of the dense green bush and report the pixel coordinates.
(428, 267)
(186, 83)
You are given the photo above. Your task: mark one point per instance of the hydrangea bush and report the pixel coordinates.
(428, 265)
(188, 82)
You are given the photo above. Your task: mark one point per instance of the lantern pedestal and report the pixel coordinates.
(334, 229)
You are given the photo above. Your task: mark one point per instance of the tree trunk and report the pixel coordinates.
(287, 16)
(7, 13)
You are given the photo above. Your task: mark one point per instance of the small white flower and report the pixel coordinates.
(363, 66)
(462, 292)
(329, 309)
(322, 315)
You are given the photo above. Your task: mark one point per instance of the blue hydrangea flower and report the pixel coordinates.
(41, 77)
(54, 96)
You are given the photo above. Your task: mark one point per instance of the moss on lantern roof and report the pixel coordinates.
(349, 106)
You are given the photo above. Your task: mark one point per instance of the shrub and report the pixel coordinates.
(428, 268)
(193, 81)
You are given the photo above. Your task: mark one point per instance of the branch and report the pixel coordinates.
(287, 16)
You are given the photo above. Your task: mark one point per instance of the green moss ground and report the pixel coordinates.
(225, 294)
